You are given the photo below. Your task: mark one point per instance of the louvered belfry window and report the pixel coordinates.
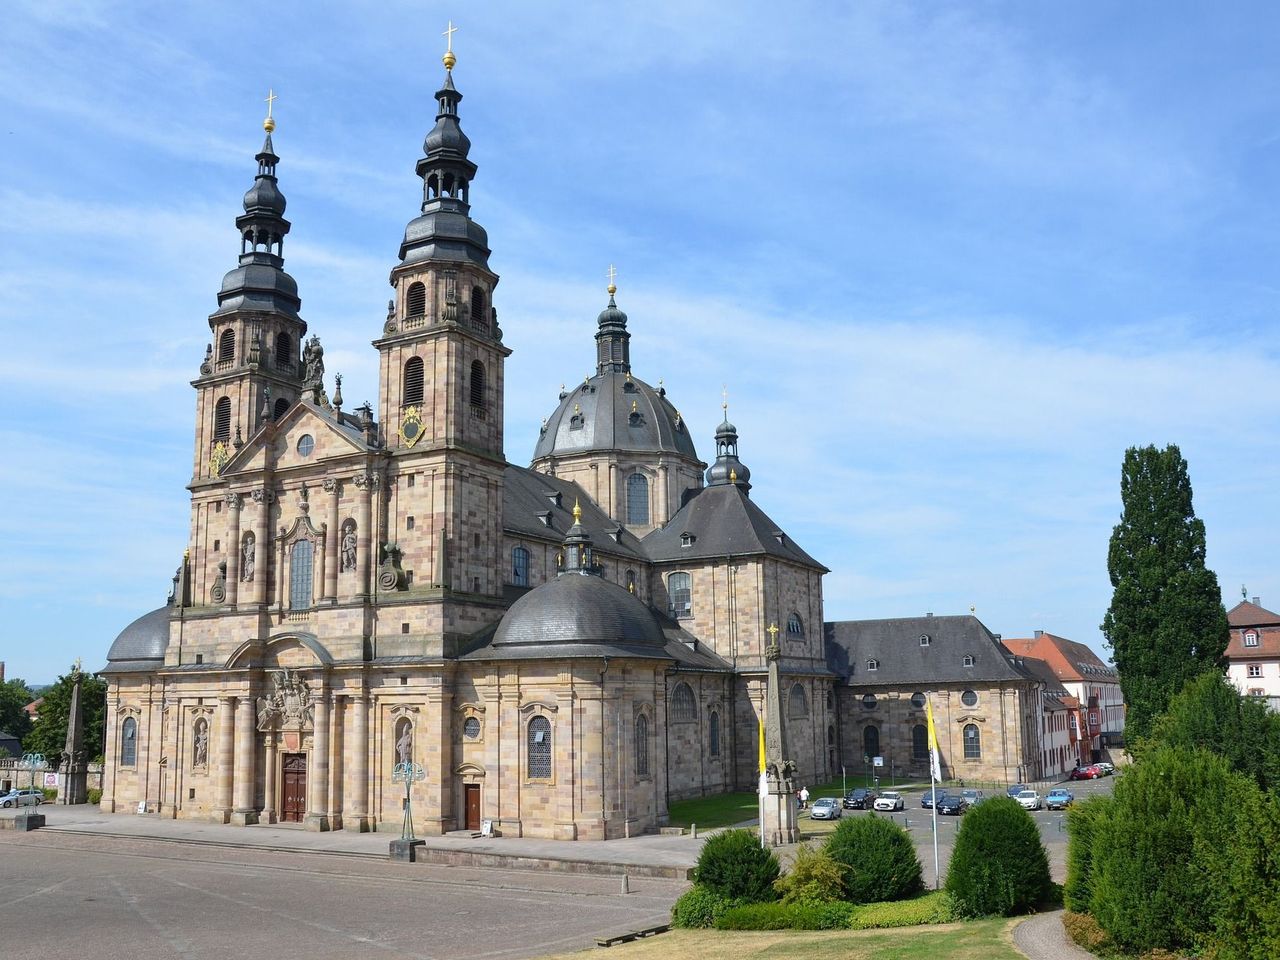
(413, 382)
(478, 318)
(222, 419)
(227, 345)
(284, 350)
(477, 384)
(415, 300)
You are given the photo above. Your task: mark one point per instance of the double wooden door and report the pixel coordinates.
(293, 806)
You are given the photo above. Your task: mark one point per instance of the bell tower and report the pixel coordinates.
(441, 374)
(251, 370)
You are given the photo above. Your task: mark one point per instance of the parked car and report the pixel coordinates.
(1088, 772)
(859, 799)
(1059, 798)
(889, 800)
(22, 798)
(1029, 799)
(828, 808)
(1015, 789)
(926, 798)
(974, 797)
(1106, 768)
(952, 804)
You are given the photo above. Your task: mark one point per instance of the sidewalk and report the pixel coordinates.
(650, 855)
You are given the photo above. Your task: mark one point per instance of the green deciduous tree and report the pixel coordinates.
(49, 735)
(733, 865)
(998, 866)
(879, 859)
(1166, 623)
(14, 696)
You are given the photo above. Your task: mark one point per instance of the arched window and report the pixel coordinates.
(284, 350)
(972, 742)
(637, 499)
(222, 419)
(713, 734)
(795, 626)
(281, 408)
(415, 300)
(226, 345)
(520, 567)
(477, 385)
(798, 705)
(479, 318)
(411, 391)
(683, 706)
(300, 576)
(919, 742)
(539, 759)
(631, 581)
(642, 746)
(831, 736)
(680, 590)
(871, 741)
(129, 742)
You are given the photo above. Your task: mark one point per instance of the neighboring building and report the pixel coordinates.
(987, 707)
(10, 746)
(1095, 685)
(1253, 650)
(359, 592)
(1059, 725)
(32, 709)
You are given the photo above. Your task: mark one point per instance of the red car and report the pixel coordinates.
(1090, 772)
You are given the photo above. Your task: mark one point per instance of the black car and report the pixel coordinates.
(1015, 789)
(952, 805)
(859, 799)
(926, 799)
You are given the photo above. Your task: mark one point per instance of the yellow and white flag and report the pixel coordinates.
(935, 767)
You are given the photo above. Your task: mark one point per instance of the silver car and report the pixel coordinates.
(825, 809)
(22, 798)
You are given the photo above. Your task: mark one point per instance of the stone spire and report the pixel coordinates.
(728, 468)
(613, 342)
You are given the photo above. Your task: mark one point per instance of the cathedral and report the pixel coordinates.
(564, 648)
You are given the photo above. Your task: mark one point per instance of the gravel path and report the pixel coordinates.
(1042, 938)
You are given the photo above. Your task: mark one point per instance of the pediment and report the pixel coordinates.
(276, 445)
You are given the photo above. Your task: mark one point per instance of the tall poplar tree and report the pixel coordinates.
(1166, 623)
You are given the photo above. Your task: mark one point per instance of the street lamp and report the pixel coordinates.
(408, 774)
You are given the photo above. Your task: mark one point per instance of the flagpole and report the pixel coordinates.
(935, 774)
(761, 786)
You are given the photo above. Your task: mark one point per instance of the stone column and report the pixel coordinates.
(282, 576)
(664, 498)
(357, 801)
(234, 502)
(332, 556)
(318, 579)
(337, 749)
(244, 813)
(261, 546)
(226, 758)
(611, 504)
(364, 536)
(318, 777)
(269, 780)
(435, 729)
(108, 802)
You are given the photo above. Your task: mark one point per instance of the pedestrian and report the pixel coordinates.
(804, 798)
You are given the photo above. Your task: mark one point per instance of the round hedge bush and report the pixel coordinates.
(700, 907)
(999, 866)
(733, 865)
(879, 858)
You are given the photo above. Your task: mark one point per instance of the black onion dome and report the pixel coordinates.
(614, 411)
(728, 468)
(144, 639)
(577, 609)
(264, 197)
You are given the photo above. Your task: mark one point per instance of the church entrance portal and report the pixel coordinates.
(471, 805)
(294, 788)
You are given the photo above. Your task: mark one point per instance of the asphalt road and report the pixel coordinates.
(139, 899)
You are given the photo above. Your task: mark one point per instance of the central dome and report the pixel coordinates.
(579, 609)
(614, 411)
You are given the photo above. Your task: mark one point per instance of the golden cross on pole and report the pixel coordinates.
(271, 99)
(724, 398)
(613, 274)
(448, 37)
(773, 632)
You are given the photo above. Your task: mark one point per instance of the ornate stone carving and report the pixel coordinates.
(261, 496)
(369, 480)
(390, 325)
(234, 501)
(390, 573)
(304, 498)
(289, 705)
(348, 547)
(332, 486)
(206, 368)
(313, 367)
(248, 552)
(218, 592)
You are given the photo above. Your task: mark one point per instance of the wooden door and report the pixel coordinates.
(471, 804)
(294, 788)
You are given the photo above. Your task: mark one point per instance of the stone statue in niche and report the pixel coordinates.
(200, 754)
(248, 552)
(404, 742)
(348, 547)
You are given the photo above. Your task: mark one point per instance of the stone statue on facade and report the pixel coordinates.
(200, 757)
(348, 547)
(313, 366)
(247, 557)
(404, 745)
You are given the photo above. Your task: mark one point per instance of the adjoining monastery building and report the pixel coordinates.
(564, 648)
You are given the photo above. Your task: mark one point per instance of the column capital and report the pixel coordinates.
(234, 501)
(332, 485)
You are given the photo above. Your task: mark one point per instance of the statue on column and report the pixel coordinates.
(75, 771)
(778, 811)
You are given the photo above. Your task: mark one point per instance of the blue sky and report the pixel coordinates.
(950, 260)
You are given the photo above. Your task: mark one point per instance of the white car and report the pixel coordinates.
(889, 800)
(1029, 799)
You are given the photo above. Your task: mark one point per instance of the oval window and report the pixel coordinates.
(917, 700)
(969, 698)
(869, 701)
(471, 728)
(306, 443)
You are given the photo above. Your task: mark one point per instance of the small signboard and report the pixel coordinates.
(486, 828)
(877, 761)
(50, 779)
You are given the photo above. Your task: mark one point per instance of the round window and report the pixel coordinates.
(471, 728)
(869, 701)
(969, 698)
(306, 443)
(917, 700)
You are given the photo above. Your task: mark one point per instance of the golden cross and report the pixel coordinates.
(271, 99)
(773, 632)
(613, 274)
(448, 36)
(724, 398)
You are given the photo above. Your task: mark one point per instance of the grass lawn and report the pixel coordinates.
(979, 940)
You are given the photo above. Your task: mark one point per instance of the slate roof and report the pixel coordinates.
(529, 496)
(903, 661)
(724, 521)
(141, 645)
(1246, 614)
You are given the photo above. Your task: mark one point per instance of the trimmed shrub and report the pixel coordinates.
(936, 907)
(814, 877)
(999, 866)
(50, 794)
(733, 865)
(787, 916)
(1160, 857)
(1081, 819)
(1249, 921)
(1085, 933)
(879, 858)
(95, 796)
(700, 907)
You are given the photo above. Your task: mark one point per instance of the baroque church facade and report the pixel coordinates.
(564, 648)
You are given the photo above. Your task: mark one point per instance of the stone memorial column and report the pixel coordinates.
(244, 813)
(359, 795)
(226, 758)
(318, 778)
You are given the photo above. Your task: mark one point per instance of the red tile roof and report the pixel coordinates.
(1268, 644)
(1246, 614)
(1070, 661)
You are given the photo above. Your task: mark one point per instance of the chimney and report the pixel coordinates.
(928, 614)
(1257, 601)
(1039, 634)
(1, 671)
